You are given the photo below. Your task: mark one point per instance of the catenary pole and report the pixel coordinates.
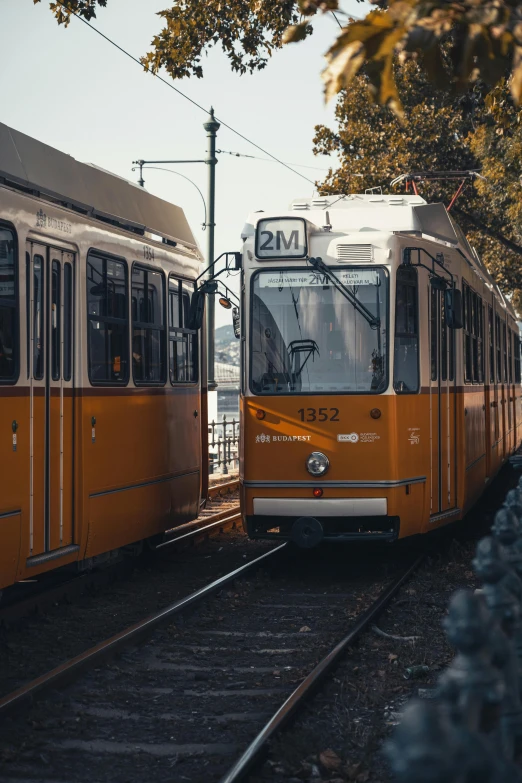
(211, 126)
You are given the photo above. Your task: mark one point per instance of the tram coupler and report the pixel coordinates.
(307, 532)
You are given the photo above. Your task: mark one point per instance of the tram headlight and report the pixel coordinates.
(317, 463)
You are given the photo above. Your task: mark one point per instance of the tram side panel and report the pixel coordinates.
(147, 445)
(14, 411)
(14, 506)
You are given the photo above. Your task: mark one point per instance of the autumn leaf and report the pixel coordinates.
(342, 67)
(296, 32)
(516, 81)
(330, 760)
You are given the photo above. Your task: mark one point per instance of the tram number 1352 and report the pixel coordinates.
(319, 414)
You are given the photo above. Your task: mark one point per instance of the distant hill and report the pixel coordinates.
(227, 346)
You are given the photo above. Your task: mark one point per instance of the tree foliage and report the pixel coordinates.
(84, 8)
(439, 132)
(484, 36)
(248, 31)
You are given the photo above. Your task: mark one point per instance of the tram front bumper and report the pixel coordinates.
(341, 519)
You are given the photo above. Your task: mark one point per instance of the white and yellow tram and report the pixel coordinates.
(102, 420)
(381, 371)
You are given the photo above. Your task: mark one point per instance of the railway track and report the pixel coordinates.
(201, 698)
(221, 514)
(221, 489)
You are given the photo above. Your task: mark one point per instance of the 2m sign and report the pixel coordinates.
(281, 238)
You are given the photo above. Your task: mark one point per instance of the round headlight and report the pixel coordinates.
(317, 464)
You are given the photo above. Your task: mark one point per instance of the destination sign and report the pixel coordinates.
(348, 277)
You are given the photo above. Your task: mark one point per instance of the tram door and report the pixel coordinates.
(50, 287)
(442, 405)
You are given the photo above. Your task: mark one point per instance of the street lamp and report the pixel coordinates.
(179, 174)
(211, 126)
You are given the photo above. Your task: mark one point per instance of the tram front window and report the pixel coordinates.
(309, 337)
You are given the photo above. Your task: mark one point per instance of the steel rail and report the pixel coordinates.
(258, 748)
(221, 522)
(73, 587)
(68, 671)
(223, 489)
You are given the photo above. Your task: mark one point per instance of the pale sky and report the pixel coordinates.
(69, 88)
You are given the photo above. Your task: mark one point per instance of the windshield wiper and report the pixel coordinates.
(297, 347)
(319, 266)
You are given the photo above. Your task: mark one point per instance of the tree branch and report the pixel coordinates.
(490, 232)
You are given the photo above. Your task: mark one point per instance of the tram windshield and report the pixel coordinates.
(307, 337)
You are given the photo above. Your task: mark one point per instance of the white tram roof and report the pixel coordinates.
(379, 212)
(372, 212)
(54, 175)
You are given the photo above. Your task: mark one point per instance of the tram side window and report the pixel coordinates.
(467, 333)
(504, 351)
(447, 352)
(56, 312)
(499, 352)
(491, 346)
(406, 356)
(510, 356)
(108, 320)
(38, 323)
(67, 322)
(478, 338)
(8, 307)
(148, 325)
(517, 358)
(434, 337)
(183, 342)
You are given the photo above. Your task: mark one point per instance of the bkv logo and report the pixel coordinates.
(41, 219)
(352, 437)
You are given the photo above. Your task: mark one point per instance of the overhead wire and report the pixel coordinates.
(337, 20)
(183, 95)
(269, 160)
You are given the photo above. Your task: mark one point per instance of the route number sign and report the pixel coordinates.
(281, 238)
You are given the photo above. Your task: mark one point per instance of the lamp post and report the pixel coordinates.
(211, 126)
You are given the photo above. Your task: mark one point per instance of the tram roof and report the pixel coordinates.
(380, 212)
(395, 213)
(30, 163)
(370, 212)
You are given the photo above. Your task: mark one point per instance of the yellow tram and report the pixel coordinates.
(381, 371)
(102, 421)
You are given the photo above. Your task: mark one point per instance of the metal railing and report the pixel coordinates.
(223, 443)
(470, 728)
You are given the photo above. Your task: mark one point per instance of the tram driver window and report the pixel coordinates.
(107, 313)
(307, 336)
(8, 308)
(406, 354)
(148, 325)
